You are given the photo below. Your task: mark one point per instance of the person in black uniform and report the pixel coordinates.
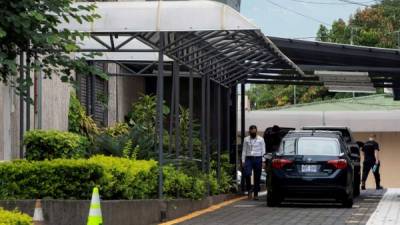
(272, 138)
(371, 161)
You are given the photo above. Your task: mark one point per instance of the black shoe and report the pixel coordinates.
(379, 188)
(255, 196)
(249, 195)
(362, 187)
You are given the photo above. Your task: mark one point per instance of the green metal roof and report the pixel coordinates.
(366, 103)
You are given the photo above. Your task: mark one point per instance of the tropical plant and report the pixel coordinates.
(78, 120)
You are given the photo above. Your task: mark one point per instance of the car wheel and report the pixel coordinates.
(356, 189)
(273, 199)
(357, 181)
(347, 201)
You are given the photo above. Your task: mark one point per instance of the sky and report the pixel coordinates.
(279, 18)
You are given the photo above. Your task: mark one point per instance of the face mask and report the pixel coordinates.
(253, 135)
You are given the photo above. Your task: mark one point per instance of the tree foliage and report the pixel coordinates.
(32, 27)
(267, 96)
(376, 26)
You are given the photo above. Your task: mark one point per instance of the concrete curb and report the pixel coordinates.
(116, 212)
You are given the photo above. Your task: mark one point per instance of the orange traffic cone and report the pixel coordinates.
(38, 214)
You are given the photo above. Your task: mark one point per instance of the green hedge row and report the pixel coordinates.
(117, 178)
(41, 145)
(14, 218)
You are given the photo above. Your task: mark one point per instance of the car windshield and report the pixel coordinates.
(317, 146)
(310, 146)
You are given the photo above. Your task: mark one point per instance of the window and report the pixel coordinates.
(92, 92)
(288, 146)
(318, 146)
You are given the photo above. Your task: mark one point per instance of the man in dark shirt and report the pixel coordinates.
(371, 161)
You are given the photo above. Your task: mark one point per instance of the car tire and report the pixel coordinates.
(347, 201)
(357, 183)
(356, 190)
(273, 199)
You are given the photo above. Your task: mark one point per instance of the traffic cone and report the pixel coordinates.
(38, 214)
(95, 217)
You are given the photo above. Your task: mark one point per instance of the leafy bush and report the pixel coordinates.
(78, 121)
(14, 218)
(117, 178)
(117, 130)
(136, 143)
(179, 184)
(53, 144)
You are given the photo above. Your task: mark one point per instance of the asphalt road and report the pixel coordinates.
(292, 213)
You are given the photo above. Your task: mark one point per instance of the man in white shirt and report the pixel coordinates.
(253, 160)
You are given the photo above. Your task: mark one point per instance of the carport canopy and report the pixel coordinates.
(207, 37)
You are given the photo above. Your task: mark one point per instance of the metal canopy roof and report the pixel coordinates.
(381, 65)
(208, 37)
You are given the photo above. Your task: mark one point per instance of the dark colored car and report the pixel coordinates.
(352, 145)
(311, 164)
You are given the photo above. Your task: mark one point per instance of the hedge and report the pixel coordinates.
(117, 178)
(14, 218)
(54, 144)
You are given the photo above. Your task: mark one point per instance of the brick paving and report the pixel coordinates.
(293, 213)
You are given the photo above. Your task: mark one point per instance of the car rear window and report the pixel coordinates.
(288, 146)
(317, 146)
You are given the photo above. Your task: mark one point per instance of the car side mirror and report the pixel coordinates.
(268, 156)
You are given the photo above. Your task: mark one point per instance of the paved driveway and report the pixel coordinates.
(312, 213)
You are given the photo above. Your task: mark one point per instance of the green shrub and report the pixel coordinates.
(117, 178)
(14, 218)
(179, 184)
(54, 144)
(78, 121)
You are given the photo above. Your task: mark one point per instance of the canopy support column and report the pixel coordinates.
(175, 71)
(171, 116)
(28, 91)
(160, 98)
(191, 115)
(203, 123)
(21, 106)
(219, 133)
(242, 111)
(208, 136)
(228, 123)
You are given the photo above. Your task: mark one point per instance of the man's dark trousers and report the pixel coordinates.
(253, 163)
(367, 166)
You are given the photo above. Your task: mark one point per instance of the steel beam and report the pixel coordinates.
(176, 81)
(160, 99)
(21, 106)
(28, 91)
(203, 123)
(208, 136)
(242, 112)
(191, 115)
(219, 135)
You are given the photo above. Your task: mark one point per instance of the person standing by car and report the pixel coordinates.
(371, 161)
(253, 160)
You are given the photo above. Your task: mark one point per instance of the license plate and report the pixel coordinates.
(309, 168)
